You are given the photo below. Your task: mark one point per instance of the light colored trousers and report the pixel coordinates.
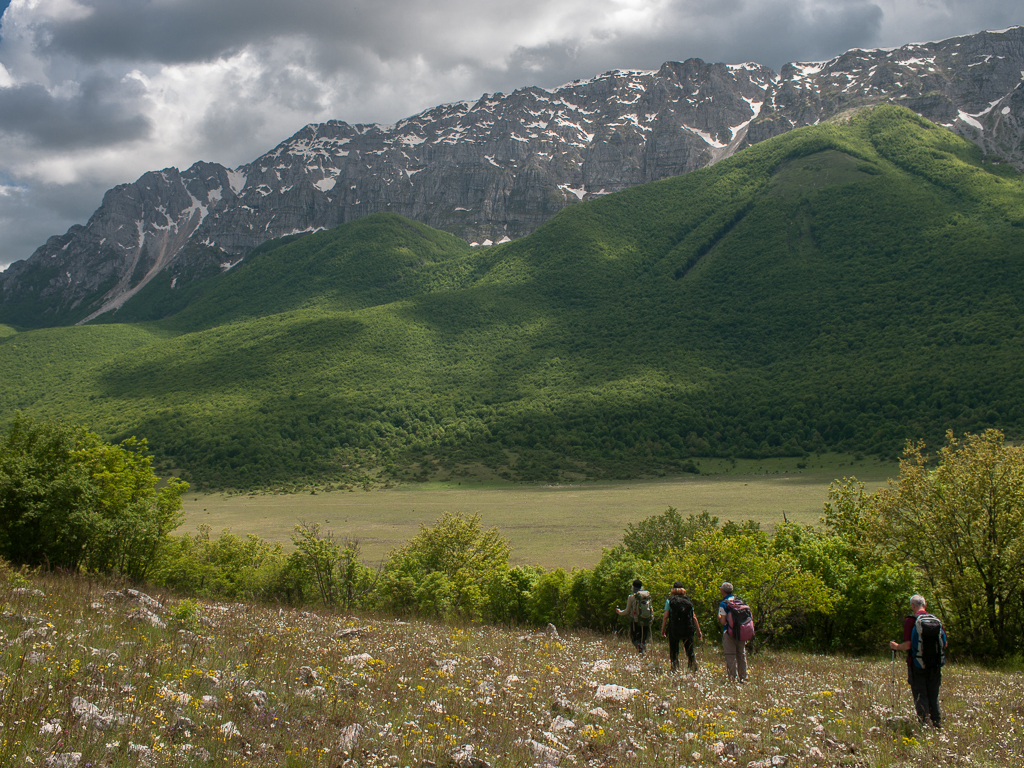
(735, 657)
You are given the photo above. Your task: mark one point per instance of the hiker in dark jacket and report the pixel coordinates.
(680, 621)
(639, 632)
(924, 681)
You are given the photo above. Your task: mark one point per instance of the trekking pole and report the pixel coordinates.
(893, 667)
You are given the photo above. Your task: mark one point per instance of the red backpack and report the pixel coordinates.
(739, 620)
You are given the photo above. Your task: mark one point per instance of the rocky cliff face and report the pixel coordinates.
(499, 167)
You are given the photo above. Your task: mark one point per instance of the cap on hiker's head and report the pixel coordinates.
(637, 583)
(727, 587)
(678, 585)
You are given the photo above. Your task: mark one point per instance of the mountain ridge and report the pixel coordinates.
(841, 287)
(498, 167)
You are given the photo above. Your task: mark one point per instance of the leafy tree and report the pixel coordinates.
(446, 569)
(778, 590)
(68, 499)
(962, 524)
(228, 566)
(870, 591)
(654, 536)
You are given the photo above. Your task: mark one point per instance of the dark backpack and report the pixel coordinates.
(927, 642)
(680, 615)
(642, 611)
(739, 620)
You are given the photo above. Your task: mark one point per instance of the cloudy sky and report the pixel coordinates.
(93, 93)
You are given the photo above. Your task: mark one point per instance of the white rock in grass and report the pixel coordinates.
(358, 660)
(143, 615)
(46, 729)
(349, 736)
(463, 757)
(65, 760)
(599, 713)
(228, 730)
(618, 694)
(562, 724)
(542, 752)
(601, 665)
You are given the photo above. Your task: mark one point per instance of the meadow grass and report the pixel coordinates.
(85, 680)
(565, 525)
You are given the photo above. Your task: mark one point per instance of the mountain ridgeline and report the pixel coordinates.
(846, 286)
(498, 167)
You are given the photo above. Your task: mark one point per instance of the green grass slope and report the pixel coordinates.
(840, 287)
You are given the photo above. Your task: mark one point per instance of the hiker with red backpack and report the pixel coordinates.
(738, 628)
(680, 622)
(641, 614)
(925, 641)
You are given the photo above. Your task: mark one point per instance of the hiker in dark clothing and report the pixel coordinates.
(639, 623)
(924, 671)
(680, 622)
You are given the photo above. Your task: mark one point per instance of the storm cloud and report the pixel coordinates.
(93, 93)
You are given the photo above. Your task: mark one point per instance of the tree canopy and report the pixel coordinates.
(68, 499)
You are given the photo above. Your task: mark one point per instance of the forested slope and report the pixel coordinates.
(841, 287)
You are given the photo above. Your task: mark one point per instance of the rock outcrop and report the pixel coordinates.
(497, 168)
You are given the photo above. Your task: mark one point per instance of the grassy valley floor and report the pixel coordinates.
(89, 678)
(552, 526)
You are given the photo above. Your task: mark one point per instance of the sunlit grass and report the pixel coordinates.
(83, 684)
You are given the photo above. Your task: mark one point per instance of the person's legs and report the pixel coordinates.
(645, 637)
(919, 690)
(691, 660)
(729, 647)
(741, 660)
(673, 651)
(932, 687)
(634, 635)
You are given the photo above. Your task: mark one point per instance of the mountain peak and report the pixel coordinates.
(498, 167)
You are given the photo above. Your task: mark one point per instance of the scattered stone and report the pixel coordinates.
(260, 699)
(729, 748)
(209, 702)
(562, 704)
(485, 688)
(353, 631)
(599, 713)
(779, 730)
(552, 631)
(134, 596)
(544, 754)
(492, 662)
(601, 665)
(36, 633)
(49, 728)
(144, 615)
(358, 660)
(308, 676)
(65, 760)
(349, 736)
(615, 693)
(28, 592)
(315, 693)
(89, 715)
(562, 724)
(182, 728)
(857, 684)
(463, 757)
(815, 754)
(228, 730)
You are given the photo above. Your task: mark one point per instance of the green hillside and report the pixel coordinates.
(842, 287)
